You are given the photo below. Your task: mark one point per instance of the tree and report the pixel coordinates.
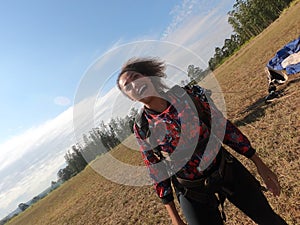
(23, 206)
(53, 183)
(75, 159)
(195, 73)
(108, 136)
(249, 18)
(65, 173)
(132, 115)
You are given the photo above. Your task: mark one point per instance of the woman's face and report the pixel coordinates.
(137, 87)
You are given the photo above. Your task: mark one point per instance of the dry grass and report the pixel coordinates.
(273, 129)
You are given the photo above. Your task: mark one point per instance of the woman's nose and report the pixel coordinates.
(135, 86)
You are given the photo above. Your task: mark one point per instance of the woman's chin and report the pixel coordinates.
(145, 100)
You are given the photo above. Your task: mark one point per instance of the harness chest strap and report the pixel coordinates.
(198, 182)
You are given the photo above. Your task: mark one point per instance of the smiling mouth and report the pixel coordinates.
(142, 89)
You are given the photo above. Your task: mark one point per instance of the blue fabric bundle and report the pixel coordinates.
(289, 49)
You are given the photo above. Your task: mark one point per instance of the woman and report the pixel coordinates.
(140, 80)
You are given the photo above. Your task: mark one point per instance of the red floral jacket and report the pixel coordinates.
(169, 123)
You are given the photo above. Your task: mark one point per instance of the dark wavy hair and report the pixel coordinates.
(148, 67)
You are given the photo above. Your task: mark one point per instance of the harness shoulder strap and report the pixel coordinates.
(142, 123)
(204, 114)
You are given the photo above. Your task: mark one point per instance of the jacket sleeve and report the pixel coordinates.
(163, 188)
(235, 139)
(232, 136)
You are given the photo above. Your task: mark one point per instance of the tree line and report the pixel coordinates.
(99, 140)
(248, 18)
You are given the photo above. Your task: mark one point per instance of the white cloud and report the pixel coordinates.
(62, 100)
(28, 183)
(52, 131)
(29, 160)
(180, 12)
(201, 33)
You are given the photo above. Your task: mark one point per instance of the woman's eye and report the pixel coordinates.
(128, 87)
(136, 76)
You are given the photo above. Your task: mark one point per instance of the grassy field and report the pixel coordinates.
(273, 128)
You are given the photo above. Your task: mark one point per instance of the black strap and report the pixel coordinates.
(181, 92)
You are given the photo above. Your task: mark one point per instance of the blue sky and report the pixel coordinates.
(47, 48)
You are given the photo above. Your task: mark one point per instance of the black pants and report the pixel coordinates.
(247, 196)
